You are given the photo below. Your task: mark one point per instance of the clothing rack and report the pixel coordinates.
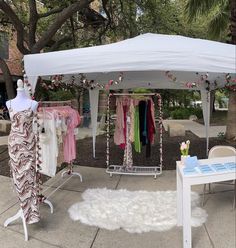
(134, 170)
(55, 103)
(69, 171)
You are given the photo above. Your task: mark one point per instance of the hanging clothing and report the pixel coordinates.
(151, 126)
(119, 137)
(48, 144)
(59, 123)
(22, 152)
(143, 122)
(131, 112)
(125, 110)
(128, 158)
(137, 144)
(72, 121)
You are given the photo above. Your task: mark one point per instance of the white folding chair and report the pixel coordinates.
(221, 151)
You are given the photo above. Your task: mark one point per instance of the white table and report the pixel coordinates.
(184, 183)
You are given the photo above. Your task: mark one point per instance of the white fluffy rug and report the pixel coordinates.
(133, 211)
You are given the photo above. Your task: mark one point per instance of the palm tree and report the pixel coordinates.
(222, 15)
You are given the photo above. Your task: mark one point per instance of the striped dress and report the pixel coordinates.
(21, 147)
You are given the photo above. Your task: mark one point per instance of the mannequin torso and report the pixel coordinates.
(21, 101)
(22, 153)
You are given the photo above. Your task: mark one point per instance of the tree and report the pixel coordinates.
(37, 24)
(7, 78)
(223, 13)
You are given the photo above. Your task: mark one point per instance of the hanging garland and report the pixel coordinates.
(29, 87)
(203, 80)
(92, 84)
(160, 126)
(230, 83)
(108, 131)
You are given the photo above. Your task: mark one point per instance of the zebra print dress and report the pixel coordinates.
(21, 147)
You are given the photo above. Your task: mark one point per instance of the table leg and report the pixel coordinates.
(187, 239)
(179, 198)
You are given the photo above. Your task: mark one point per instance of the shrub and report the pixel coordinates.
(181, 113)
(60, 95)
(197, 112)
(184, 113)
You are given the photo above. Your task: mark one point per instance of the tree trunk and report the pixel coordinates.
(233, 21)
(7, 78)
(212, 102)
(231, 117)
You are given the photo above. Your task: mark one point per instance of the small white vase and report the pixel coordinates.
(183, 157)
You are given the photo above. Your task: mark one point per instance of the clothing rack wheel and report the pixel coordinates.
(18, 215)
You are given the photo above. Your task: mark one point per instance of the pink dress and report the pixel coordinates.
(73, 120)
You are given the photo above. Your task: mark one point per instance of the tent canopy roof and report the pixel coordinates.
(147, 52)
(144, 61)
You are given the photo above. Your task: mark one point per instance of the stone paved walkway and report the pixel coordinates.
(58, 230)
(197, 128)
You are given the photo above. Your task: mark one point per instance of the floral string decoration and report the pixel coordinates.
(56, 81)
(202, 80)
(111, 82)
(27, 83)
(184, 148)
(160, 124)
(230, 83)
(92, 84)
(191, 85)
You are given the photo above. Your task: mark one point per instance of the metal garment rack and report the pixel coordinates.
(69, 171)
(134, 170)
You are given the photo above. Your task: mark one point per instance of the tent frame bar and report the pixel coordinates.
(133, 94)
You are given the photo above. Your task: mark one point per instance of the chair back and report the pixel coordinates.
(221, 151)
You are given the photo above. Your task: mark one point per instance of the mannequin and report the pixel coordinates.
(22, 153)
(21, 101)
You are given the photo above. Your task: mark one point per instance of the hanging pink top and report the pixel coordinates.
(72, 121)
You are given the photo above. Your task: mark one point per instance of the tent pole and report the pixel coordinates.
(208, 95)
(205, 97)
(93, 98)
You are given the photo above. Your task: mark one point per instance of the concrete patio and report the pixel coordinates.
(58, 230)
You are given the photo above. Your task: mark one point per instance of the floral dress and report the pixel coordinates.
(21, 147)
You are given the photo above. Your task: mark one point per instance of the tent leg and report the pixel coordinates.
(205, 97)
(93, 98)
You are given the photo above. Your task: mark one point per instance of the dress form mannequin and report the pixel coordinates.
(21, 106)
(21, 101)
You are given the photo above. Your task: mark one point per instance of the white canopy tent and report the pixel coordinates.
(149, 61)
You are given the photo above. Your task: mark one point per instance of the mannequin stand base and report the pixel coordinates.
(20, 215)
(72, 173)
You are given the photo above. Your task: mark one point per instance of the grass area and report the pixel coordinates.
(218, 118)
